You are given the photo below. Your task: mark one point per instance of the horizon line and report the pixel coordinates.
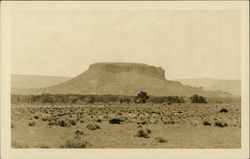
(184, 78)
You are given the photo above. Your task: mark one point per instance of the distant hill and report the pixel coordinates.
(124, 79)
(20, 83)
(231, 86)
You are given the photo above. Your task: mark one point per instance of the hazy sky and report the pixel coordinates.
(187, 44)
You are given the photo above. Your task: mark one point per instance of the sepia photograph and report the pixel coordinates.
(125, 75)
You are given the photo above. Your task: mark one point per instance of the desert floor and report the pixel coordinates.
(126, 126)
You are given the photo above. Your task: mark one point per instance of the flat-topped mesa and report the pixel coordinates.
(116, 67)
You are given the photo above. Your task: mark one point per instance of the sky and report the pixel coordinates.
(185, 43)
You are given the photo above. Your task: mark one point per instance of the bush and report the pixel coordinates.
(223, 110)
(32, 123)
(91, 100)
(206, 123)
(124, 100)
(142, 97)
(142, 122)
(43, 146)
(63, 123)
(73, 99)
(220, 124)
(198, 99)
(167, 99)
(93, 127)
(168, 122)
(115, 121)
(78, 132)
(15, 144)
(75, 143)
(161, 139)
(145, 133)
(99, 120)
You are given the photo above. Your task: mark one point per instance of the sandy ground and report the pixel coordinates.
(174, 126)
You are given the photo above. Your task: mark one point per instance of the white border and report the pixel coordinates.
(7, 152)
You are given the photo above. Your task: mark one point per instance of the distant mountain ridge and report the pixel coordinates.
(123, 79)
(231, 86)
(20, 83)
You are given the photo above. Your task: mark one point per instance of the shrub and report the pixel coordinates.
(142, 97)
(145, 133)
(15, 144)
(73, 99)
(142, 122)
(45, 118)
(167, 99)
(43, 146)
(115, 121)
(99, 120)
(206, 123)
(220, 124)
(72, 122)
(75, 143)
(198, 99)
(93, 127)
(78, 132)
(168, 122)
(161, 139)
(32, 123)
(63, 123)
(91, 100)
(124, 100)
(52, 122)
(223, 110)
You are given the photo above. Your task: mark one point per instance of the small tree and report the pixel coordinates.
(142, 97)
(73, 99)
(124, 100)
(198, 99)
(91, 100)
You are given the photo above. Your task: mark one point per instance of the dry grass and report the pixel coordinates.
(116, 125)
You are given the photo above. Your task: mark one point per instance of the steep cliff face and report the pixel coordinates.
(123, 79)
(152, 71)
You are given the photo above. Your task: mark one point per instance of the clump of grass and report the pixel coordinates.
(99, 120)
(36, 116)
(145, 133)
(142, 122)
(161, 139)
(43, 146)
(78, 132)
(223, 110)
(115, 121)
(220, 124)
(52, 122)
(75, 143)
(45, 118)
(93, 126)
(63, 123)
(206, 123)
(32, 123)
(72, 122)
(168, 122)
(15, 144)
